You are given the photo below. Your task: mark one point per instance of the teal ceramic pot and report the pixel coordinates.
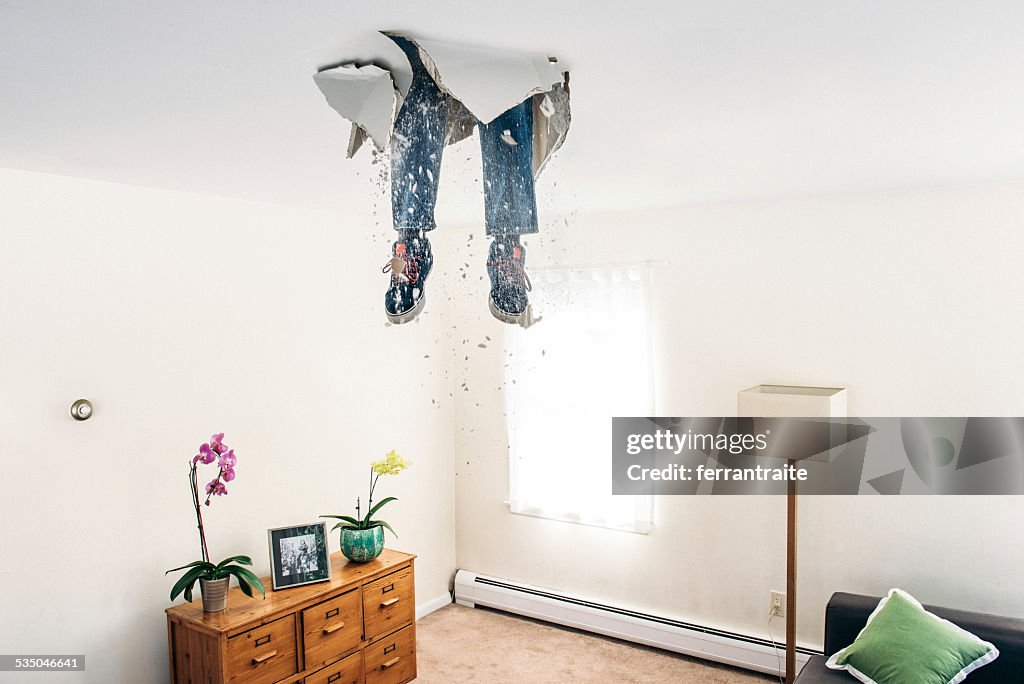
(361, 546)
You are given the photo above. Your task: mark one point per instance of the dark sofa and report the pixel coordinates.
(846, 615)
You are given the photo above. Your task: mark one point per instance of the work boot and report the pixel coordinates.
(409, 266)
(508, 301)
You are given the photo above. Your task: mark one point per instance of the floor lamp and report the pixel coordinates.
(791, 401)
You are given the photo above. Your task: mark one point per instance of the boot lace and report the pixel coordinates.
(403, 268)
(511, 272)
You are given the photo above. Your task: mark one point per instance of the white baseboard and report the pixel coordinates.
(700, 641)
(428, 607)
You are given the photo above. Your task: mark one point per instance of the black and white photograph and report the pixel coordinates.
(298, 555)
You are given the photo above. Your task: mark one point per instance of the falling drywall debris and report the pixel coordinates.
(547, 107)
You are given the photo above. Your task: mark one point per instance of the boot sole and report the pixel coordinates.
(505, 317)
(405, 317)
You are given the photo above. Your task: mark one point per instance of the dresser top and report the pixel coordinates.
(243, 610)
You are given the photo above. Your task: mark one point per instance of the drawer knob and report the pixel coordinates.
(389, 602)
(333, 628)
(264, 658)
(391, 662)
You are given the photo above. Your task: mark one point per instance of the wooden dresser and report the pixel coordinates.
(359, 627)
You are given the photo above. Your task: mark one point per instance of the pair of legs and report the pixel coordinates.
(510, 203)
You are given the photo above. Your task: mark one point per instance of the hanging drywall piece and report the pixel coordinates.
(364, 95)
(372, 76)
(488, 81)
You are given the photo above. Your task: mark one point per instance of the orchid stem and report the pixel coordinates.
(199, 512)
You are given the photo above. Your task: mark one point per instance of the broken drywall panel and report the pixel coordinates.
(481, 82)
(365, 95)
(488, 82)
(370, 47)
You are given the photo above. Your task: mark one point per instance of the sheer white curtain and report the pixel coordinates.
(588, 360)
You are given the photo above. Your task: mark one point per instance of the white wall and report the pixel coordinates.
(913, 300)
(181, 315)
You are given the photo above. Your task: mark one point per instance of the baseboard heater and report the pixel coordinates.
(700, 641)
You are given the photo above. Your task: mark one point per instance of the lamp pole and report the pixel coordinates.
(791, 576)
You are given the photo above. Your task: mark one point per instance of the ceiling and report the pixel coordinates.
(674, 102)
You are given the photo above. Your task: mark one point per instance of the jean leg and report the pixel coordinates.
(510, 200)
(416, 147)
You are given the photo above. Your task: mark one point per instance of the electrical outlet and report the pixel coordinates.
(777, 605)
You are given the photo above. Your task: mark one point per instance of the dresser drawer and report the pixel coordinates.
(388, 603)
(264, 654)
(392, 659)
(332, 628)
(346, 671)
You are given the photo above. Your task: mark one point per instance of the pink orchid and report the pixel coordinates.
(227, 460)
(217, 487)
(214, 450)
(206, 454)
(217, 443)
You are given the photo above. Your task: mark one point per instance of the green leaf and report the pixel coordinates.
(190, 565)
(378, 505)
(248, 577)
(383, 524)
(346, 518)
(187, 581)
(245, 560)
(244, 586)
(346, 526)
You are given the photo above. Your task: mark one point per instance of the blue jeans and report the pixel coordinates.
(510, 201)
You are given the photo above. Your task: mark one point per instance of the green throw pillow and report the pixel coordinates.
(902, 642)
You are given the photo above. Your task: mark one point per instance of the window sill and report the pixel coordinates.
(632, 529)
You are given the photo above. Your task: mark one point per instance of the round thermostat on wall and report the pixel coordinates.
(81, 409)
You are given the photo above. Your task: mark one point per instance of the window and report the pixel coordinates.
(588, 360)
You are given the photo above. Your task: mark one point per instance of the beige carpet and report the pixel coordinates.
(458, 644)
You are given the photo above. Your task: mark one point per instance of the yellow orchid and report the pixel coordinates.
(391, 464)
